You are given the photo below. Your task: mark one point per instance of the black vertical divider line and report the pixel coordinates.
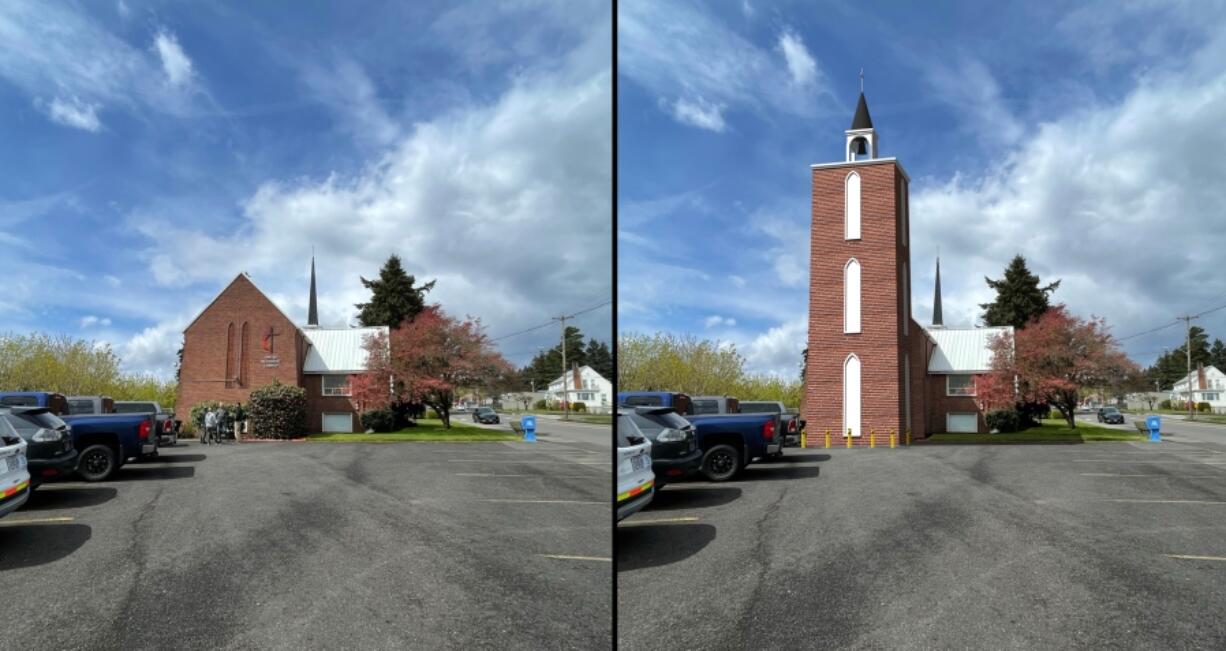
(613, 316)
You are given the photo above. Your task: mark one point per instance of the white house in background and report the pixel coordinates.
(1208, 384)
(584, 385)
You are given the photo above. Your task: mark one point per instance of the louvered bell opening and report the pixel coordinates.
(861, 146)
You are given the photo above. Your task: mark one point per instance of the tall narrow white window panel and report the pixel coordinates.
(851, 296)
(851, 396)
(852, 225)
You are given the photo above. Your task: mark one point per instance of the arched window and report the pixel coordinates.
(851, 296)
(230, 360)
(244, 357)
(851, 395)
(851, 225)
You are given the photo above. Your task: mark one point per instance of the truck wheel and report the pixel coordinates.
(721, 462)
(97, 463)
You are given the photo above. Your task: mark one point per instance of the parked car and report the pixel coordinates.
(674, 448)
(714, 405)
(168, 427)
(14, 476)
(49, 450)
(678, 401)
(486, 415)
(635, 481)
(90, 405)
(729, 442)
(56, 402)
(790, 423)
(1110, 415)
(106, 442)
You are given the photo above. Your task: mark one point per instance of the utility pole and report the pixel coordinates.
(1188, 320)
(565, 393)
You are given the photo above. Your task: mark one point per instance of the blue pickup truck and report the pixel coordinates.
(104, 442)
(680, 402)
(729, 442)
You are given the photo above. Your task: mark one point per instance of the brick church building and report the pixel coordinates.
(871, 366)
(242, 341)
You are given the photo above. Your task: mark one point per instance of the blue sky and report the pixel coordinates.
(1086, 136)
(152, 151)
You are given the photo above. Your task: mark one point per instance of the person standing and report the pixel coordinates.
(210, 426)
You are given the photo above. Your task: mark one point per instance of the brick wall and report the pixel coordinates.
(880, 342)
(940, 404)
(209, 350)
(317, 404)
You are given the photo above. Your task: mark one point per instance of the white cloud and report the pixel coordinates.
(699, 113)
(122, 8)
(154, 349)
(716, 320)
(680, 52)
(112, 281)
(90, 321)
(747, 9)
(74, 113)
(175, 63)
(969, 87)
(737, 281)
(801, 65)
(348, 90)
(778, 350)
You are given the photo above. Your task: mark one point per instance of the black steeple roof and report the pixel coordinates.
(936, 300)
(312, 313)
(862, 120)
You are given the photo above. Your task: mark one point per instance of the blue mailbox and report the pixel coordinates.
(529, 425)
(1154, 423)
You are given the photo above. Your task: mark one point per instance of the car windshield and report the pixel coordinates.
(135, 408)
(708, 406)
(484, 410)
(1111, 410)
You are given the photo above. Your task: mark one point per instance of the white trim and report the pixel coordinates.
(851, 312)
(853, 163)
(851, 397)
(850, 233)
(974, 386)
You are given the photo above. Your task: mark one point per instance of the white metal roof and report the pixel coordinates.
(338, 350)
(962, 350)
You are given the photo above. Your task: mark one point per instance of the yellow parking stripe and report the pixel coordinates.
(1197, 558)
(563, 557)
(630, 523)
(9, 521)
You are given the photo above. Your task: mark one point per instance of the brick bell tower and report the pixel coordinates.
(866, 357)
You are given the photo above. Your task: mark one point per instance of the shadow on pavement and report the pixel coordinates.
(47, 497)
(165, 472)
(692, 498)
(36, 544)
(178, 458)
(644, 546)
(768, 473)
(796, 457)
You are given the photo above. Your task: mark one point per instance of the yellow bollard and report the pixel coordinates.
(827, 439)
(893, 439)
(848, 438)
(802, 440)
(872, 438)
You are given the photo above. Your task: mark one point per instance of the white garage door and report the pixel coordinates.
(961, 423)
(338, 422)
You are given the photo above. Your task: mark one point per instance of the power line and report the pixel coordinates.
(550, 322)
(1175, 322)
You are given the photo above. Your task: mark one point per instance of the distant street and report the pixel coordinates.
(322, 545)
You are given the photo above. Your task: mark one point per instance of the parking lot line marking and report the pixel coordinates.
(1196, 558)
(36, 521)
(609, 503)
(1113, 474)
(564, 557)
(1202, 463)
(490, 474)
(1160, 501)
(632, 523)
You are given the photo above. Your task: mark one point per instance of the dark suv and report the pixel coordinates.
(485, 415)
(1110, 415)
(50, 452)
(674, 451)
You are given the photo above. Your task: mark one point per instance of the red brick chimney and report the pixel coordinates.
(579, 378)
(1200, 376)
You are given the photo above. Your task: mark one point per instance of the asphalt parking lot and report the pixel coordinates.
(321, 545)
(1103, 545)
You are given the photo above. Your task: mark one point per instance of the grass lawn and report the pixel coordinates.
(1051, 431)
(598, 419)
(428, 429)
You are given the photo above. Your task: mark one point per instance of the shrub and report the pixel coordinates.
(1030, 413)
(1003, 420)
(1202, 407)
(379, 420)
(541, 404)
(1165, 404)
(578, 407)
(278, 411)
(195, 420)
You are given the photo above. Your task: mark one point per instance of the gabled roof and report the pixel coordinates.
(862, 119)
(558, 380)
(338, 350)
(241, 276)
(962, 350)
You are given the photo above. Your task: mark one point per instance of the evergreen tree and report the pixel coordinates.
(179, 365)
(1019, 298)
(393, 298)
(547, 365)
(1172, 366)
(600, 358)
(1217, 355)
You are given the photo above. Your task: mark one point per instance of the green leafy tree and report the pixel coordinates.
(600, 358)
(62, 364)
(393, 298)
(546, 366)
(1019, 297)
(1172, 366)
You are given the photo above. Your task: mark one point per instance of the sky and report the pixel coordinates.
(152, 151)
(1086, 137)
